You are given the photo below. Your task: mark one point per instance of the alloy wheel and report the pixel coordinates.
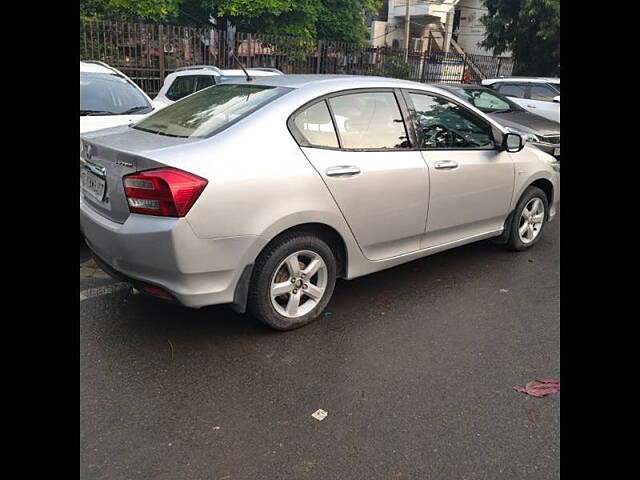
(298, 284)
(531, 220)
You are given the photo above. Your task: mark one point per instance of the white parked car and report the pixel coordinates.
(187, 80)
(539, 95)
(108, 98)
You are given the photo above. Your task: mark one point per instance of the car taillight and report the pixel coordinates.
(166, 192)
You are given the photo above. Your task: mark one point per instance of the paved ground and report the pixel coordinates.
(415, 366)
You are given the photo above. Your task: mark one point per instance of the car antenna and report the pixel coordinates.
(249, 77)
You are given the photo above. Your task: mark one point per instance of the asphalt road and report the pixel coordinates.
(414, 365)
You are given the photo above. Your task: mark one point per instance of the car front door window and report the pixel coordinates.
(446, 125)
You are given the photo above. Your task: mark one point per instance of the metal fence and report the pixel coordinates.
(148, 52)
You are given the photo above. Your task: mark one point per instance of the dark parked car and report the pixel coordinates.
(534, 129)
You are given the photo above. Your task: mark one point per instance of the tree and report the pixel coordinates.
(530, 29)
(338, 20)
(155, 10)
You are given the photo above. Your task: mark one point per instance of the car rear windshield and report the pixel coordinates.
(110, 94)
(208, 111)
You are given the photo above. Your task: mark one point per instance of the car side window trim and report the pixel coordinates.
(299, 138)
(416, 124)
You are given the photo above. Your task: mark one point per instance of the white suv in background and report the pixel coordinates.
(187, 80)
(539, 95)
(108, 98)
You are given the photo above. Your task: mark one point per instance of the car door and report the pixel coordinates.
(471, 180)
(540, 101)
(378, 182)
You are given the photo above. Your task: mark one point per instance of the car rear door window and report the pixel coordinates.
(369, 120)
(181, 87)
(446, 125)
(315, 125)
(512, 90)
(204, 81)
(543, 93)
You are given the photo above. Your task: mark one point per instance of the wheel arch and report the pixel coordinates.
(542, 181)
(327, 233)
(546, 186)
(340, 241)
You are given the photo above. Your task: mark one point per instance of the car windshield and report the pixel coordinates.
(110, 94)
(486, 100)
(557, 85)
(208, 111)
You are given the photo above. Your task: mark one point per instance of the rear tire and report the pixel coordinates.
(530, 216)
(302, 268)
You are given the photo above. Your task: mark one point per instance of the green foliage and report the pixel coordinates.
(343, 20)
(154, 10)
(395, 67)
(338, 20)
(530, 29)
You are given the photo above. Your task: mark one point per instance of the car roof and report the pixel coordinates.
(523, 79)
(204, 70)
(338, 81)
(252, 71)
(95, 67)
(464, 86)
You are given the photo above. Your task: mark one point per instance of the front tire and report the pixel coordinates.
(292, 281)
(529, 219)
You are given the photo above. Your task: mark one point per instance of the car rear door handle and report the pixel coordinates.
(342, 171)
(446, 165)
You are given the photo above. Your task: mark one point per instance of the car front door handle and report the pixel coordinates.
(531, 106)
(342, 171)
(446, 165)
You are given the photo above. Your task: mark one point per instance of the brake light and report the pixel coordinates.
(166, 192)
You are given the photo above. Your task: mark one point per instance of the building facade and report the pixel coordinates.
(444, 25)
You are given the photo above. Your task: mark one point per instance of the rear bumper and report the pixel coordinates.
(165, 252)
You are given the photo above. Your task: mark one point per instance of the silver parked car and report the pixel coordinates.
(261, 193)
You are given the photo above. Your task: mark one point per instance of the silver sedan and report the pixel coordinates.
(260, 193)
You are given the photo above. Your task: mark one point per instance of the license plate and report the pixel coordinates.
(556, 152)
(92, 185)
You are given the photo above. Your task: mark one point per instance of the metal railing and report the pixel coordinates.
(147, 53)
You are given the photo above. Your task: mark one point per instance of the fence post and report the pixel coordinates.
(161, 48)
(464, 66)
(319, 56)
(499, 64)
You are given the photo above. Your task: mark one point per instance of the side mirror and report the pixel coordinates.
(512, 142)
(556, 99)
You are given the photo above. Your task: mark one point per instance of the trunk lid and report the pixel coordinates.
(106, 156)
